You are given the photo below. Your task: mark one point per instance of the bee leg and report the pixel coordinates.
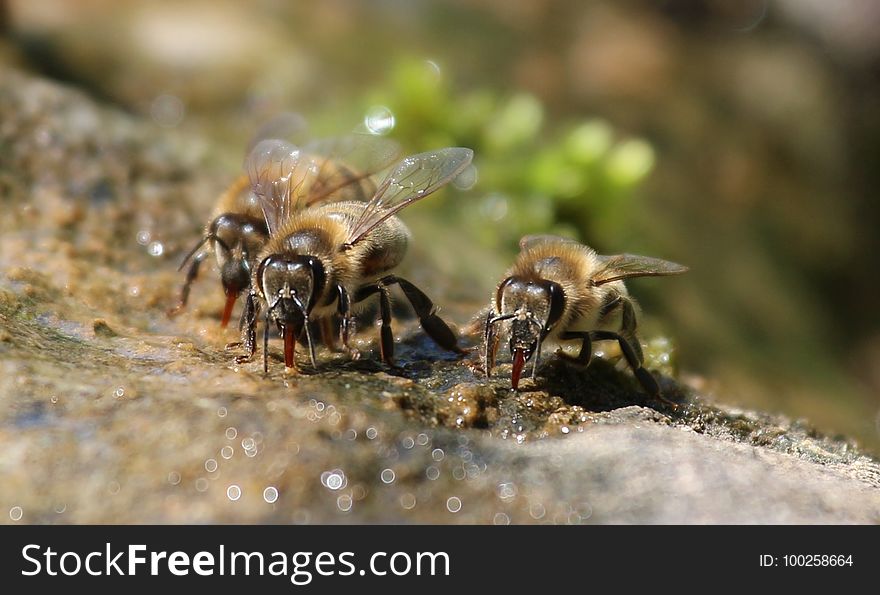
(628, 327)
(648, 382)
(191, 274)
(265, 342)
(248, 329)
(327, 338)
(346, 321)
(386, 343)
(585, 355)
(432, 324)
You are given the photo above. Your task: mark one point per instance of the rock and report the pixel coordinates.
(110, 412)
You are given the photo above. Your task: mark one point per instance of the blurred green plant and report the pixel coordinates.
(576, 179)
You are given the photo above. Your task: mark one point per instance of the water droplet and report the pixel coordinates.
(379, 120)
(211, 465)
(119, 392)
(143, 237)
(408, 442)
(494, 207)
(60, 508)
(506, 491)
(432, 473)
(221, 412)
(584, 510)
(201, 484)
(437, 454)
(387, 475)
(422, 439)
(250, 453)
(155, 249)
(248, 443)
(231, 433)
(344, 502)
(453, 504)
(226, 452)
(334, 479)
(459, 473)
(408, 501)
(114, 488)
(270, 494)
(351, 434)
(174, 478)
(467, 178)
(537, 510)
(500, 518)
(372, 433)
(15, 513)
(233, 492)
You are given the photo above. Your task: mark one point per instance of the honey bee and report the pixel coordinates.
(237, 230)
(560, 290)
(321, 261)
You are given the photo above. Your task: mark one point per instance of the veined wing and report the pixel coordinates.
(624, 266)
(414, 178)
(280, 175)
(347, 164)
(530, 241)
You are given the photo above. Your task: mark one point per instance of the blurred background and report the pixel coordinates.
(739, 138)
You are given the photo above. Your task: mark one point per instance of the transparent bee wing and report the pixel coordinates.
(531, 241)
(289, 126)
(346, 165)
(280, 175)
(414, 178)
(624, 266)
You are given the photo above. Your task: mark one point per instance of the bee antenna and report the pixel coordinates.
(497, 319)
(488, 336)
(192, 252)
(265, 342)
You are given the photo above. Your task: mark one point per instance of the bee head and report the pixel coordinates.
(532, 306)
(290, 284)
(236, 239)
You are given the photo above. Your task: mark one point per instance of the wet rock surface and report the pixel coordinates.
(111, 412)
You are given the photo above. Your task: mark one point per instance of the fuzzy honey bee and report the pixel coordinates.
(341, 171)
(559, 290)
(323, 260)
